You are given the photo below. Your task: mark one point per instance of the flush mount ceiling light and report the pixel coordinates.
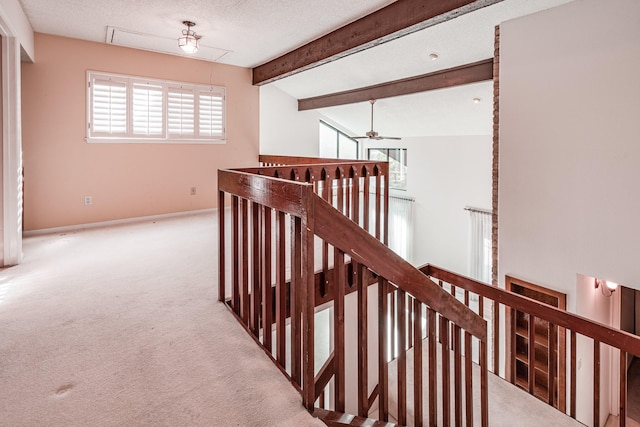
(189, 40)
(477, 100)
(433, 56)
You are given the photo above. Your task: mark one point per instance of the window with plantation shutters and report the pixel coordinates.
(181, 112)
(133, 109)
(147, 109)
(109, 107)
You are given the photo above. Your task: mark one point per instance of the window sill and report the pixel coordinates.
(181, 141)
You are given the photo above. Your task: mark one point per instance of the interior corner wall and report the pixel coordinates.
(569, 150)
(445, 174)
(125, 180)
(283, 129)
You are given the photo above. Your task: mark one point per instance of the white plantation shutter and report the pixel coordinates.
(109, 112)
(148, 109)
(122, 108)
(181, 112)
(211, 117)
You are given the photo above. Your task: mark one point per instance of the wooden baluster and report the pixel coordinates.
(433, 368)
(394, 323)
(468, 383)
(235, 261)
(596, 383)
(355, 196)
(378, 196)
(409, 323)
(267, 287)
(256, 260)
(385, 208)
(495, 307)
(532, 354)
(512, 344)
(572, 410)
(383, 342)
(281, 290)
(221, 249)
(457, 374)
(484, 385)
(244, 296)
(307, 300)
(446, 372)
(402, 359)
(365, 198)
(551, 374)
(562, 369)
(296, 307)
(417, 363)
(340, 190)
(338, 313)
(326, 195)
(363, 353)
(623, 388)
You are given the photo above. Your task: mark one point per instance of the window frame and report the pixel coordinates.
(339, 133)
(406, 165)
(129, 135)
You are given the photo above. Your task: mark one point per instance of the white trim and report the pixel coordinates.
(11, 153)
(70, 228)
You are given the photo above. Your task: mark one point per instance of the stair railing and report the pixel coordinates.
(577, 332)
(305, 235)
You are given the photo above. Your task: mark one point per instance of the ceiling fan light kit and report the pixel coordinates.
(372, 134)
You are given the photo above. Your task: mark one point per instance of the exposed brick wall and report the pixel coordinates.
(496, 151)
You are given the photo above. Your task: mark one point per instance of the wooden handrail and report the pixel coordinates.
(605, 334)
(367, 250)
(281, 194)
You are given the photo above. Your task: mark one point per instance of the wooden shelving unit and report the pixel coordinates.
(529, 366)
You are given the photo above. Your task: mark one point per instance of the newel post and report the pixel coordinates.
(307, 296)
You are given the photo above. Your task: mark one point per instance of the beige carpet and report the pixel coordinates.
(120, 326)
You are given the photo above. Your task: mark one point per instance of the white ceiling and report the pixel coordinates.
(248, 33)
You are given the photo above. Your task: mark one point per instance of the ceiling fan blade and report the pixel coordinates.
(397, 138)
(360, 137)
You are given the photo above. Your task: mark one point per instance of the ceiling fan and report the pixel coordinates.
(372, 134)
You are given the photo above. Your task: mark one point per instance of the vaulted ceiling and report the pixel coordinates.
(249, 33)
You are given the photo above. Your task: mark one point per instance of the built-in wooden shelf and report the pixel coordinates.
(522, 364)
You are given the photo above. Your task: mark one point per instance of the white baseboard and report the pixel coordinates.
(70, 228)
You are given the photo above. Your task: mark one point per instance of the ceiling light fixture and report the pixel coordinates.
(433, 56)
(477, 100)
(189, 40)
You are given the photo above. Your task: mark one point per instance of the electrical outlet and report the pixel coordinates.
(579, 363)
(193, 191)
(88, 200)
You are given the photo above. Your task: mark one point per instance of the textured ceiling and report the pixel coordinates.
(248, 33)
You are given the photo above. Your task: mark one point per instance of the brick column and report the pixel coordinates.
(496, 157)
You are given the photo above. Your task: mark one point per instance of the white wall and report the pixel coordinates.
(569, 156)
(445, 174)
(283, 129)
(569, 150)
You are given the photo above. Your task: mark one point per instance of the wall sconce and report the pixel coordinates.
(605, 284)
(189, 40)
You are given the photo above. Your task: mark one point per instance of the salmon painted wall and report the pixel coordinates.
(125, 180)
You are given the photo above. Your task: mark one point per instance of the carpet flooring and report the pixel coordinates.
(120, 326)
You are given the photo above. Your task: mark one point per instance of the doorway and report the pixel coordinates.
(630, 322)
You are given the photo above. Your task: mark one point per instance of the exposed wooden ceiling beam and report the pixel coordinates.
(465, 74)
(391, 22)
